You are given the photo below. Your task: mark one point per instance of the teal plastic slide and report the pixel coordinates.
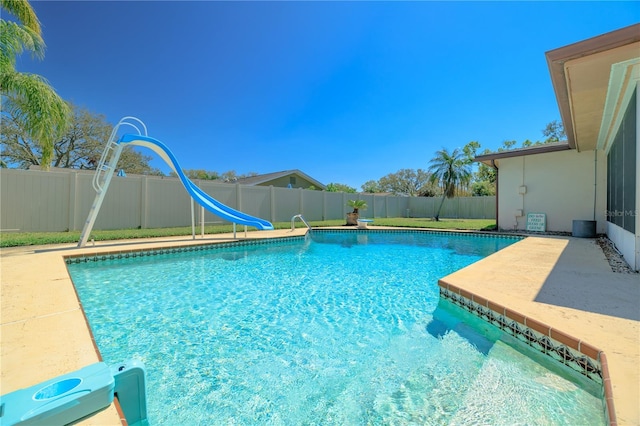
(205, 200)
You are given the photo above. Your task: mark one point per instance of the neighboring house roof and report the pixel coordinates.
(265, 178)
(592, 79)
(536, 149)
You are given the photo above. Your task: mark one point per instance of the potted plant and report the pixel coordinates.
(356, 205)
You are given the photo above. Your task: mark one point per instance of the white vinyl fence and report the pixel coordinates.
(37, 201)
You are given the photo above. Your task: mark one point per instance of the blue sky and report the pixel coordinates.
(345, 91)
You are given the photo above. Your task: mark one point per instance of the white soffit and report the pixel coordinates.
(623, 80)
(588, 78)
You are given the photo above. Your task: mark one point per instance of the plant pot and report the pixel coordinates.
(352, 219)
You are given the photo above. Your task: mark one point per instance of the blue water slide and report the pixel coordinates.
(205, 200)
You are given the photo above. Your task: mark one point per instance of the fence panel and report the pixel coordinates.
(121, 206)
(490, 211)
(379, 207)
(167, 204)
(32, 200)
(84, 195)
(287, 204)
(336, 205)
(398, 206)
(312, 203)
(255, 201)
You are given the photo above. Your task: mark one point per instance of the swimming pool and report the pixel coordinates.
(342, 328)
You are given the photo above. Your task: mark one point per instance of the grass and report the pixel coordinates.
(14, 239)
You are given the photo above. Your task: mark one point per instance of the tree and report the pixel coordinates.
(28, 98)
(450, 170)
(485, 173)
(229, 176)
(507, 145)
(80, 146)
(469, 151)
(200, 174)
(407, 182)
(340, 187)
(554, 132)
(430, 190)
(133, 162)
(371, 186)
(482, 188)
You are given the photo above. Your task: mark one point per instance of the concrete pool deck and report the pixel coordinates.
(567, 284)
(563, 282)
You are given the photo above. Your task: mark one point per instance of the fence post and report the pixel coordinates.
(272, 200)
(300, 201)
(73, 184)
(238, 197)
(144, 202)
(324, 205)
(344, 202)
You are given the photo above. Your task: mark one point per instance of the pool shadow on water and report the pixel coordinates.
(444, 322)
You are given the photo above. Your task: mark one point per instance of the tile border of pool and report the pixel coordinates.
(148, 252)
(142, 252)
(482, 234)
(578, 355)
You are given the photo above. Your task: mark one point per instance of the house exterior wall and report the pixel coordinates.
(564, 185)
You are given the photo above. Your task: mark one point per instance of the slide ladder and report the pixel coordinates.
(104, 172)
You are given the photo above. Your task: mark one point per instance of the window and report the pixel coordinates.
(621, 172)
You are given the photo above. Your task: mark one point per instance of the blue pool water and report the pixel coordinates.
(346, 329)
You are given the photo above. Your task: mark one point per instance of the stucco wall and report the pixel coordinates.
(559, 184)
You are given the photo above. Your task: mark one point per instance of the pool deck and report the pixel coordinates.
(563, 282)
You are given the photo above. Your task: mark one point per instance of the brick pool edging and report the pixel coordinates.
(574, 353)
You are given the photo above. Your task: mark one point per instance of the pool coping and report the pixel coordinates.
(519, 295)
(577, 354)
(22, 283)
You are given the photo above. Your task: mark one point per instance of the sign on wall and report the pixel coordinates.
(536, 222)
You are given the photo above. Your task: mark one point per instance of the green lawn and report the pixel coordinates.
(13, 239)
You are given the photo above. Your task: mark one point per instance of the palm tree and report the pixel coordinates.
(28, 97)
(450, 170)
(356, 205)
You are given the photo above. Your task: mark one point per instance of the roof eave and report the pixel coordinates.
(538, 149)
(557, 58)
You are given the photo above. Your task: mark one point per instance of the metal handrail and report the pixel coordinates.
(104, 172)
(109, 159)
(299, 216)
